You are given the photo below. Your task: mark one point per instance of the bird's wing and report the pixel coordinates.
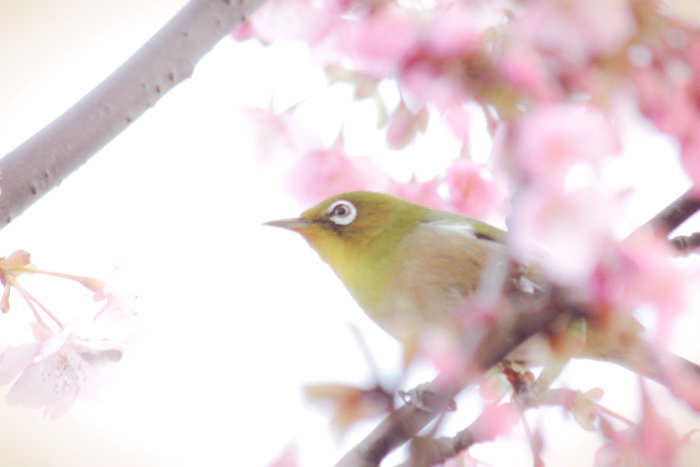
(478, 265)
(445, 263)
(441, 265)
(479, 239)
(467, 225)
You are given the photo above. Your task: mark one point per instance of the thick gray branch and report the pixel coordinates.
(168, 58)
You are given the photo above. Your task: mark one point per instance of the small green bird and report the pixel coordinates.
(410, 267)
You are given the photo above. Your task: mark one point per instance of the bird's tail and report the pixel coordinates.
(679, 375)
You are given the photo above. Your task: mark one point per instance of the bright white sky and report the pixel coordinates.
(239, 315)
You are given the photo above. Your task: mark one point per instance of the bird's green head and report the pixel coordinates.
(357, 219)
(357, 234)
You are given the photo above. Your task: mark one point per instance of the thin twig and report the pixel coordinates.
(405, 422)
(431, 451)
(613, 414)
(364, 348)
(31, 301)
(686, 244)
(532, 441)
(438, 450)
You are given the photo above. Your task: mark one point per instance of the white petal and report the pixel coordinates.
(15, 359)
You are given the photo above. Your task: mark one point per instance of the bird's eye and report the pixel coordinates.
(342, 212)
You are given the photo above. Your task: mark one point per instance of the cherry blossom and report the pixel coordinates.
(440, 347)
(553, 78)
(298, 19)
(690, 152)
(457, 119)
(404, 125)
(628, 276)
(573, 31)
(56, 370)
(554, 220)
(653, 441)
(454, 32)
(320, 174)
(524, 68)
(279, 135)
(65, 362)
(552, 138)
(472, 191)
(497, 420)
(384, 41)
(424, 193)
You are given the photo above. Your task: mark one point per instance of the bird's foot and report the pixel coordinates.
(420, 397)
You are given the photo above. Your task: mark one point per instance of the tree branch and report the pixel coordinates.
(676, 213)
(493, 421)
(433, 451)
(686, 244)
(503, 337)
(405, 422)
(168, 58)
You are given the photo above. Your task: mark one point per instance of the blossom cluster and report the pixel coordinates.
(555, 81)
(550, 77)
(64, 362)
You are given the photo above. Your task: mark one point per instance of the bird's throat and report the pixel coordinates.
(363, 271)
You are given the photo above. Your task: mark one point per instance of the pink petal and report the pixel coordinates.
(54, 343)
(244, 31)
(15, 359)
(472, 193)
(47, 385)
(453, 33)
(404, 125)
(690, 152)
(384, 40)
(574, 228)
(457, 118)
(423, 193)
(18, 259)
(497, 420)
(550, 140)
(296, 19)
(321, 174)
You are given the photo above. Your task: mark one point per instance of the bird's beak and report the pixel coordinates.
(290, 224)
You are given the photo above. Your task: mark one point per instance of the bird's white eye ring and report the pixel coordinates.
(342, 212)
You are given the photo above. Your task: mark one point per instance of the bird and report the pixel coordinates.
(413, 268)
